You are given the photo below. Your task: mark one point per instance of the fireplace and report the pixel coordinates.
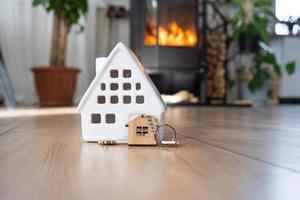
(175, 26)
(166, 37)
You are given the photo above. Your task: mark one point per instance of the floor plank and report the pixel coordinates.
(8, 124)
(45, 158)
(270, 135)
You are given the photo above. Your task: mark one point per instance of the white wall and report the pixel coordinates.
(107, 37)
(25, 35)
(287, 48)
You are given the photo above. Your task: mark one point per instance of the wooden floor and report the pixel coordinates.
(225, 153)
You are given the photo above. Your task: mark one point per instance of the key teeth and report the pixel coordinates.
(107, 142)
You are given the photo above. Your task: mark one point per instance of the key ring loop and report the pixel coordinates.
(164, 125)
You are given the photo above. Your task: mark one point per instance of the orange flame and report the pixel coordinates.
(171, 35)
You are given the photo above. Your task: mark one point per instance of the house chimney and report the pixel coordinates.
(100, 62)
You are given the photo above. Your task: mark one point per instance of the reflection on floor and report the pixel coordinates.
(28, 112)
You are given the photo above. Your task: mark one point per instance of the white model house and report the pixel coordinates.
(120, 91)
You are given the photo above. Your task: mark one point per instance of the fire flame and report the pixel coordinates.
(171, 35)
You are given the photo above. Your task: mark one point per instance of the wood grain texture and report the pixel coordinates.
(225, 153)
(139, 136)
(8, 124)
(271, 135)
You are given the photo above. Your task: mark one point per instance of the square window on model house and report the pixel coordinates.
(145, 130)
(101, 99)
(138, 86)
(139, 99)
(114, 99)
(126, 86)
(126, 73)
(141, 130)
(95, 118)
(114, 86)
(103, 86)
(114, 73)
(126, 99)
(110, 118)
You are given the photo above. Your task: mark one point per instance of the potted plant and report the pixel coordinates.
(56, 83)
(256, 80)
(249, 23)
(249, 26)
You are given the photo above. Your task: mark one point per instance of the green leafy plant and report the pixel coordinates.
(264, 64)
(66, 14)
(251, 17)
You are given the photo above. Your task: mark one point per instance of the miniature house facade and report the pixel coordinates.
(120, 90)
(141, 130)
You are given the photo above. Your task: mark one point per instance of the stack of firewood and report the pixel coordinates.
(216, 55)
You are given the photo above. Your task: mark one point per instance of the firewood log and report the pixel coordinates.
(216, 55)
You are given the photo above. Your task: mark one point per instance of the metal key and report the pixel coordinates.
(160, 134)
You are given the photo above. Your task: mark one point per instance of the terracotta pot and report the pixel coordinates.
(55, 85)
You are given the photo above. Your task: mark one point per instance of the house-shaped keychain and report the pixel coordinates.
(120, 91)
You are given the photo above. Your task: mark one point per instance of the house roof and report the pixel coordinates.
(119, 48)
(135, 117)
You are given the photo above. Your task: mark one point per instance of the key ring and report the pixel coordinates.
(159, 139)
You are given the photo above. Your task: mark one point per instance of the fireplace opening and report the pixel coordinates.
(173, 26)
(171, 34)
(167, 37)
(170, 37)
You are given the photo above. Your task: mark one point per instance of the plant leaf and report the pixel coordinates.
(290, 68)
(259, 79)
(231, 83)
(40, 2)
(72, 9)
(251, 86)
(269, 93)
(237, 2)
(265, 58)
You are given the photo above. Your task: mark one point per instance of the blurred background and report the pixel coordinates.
(238, 52)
